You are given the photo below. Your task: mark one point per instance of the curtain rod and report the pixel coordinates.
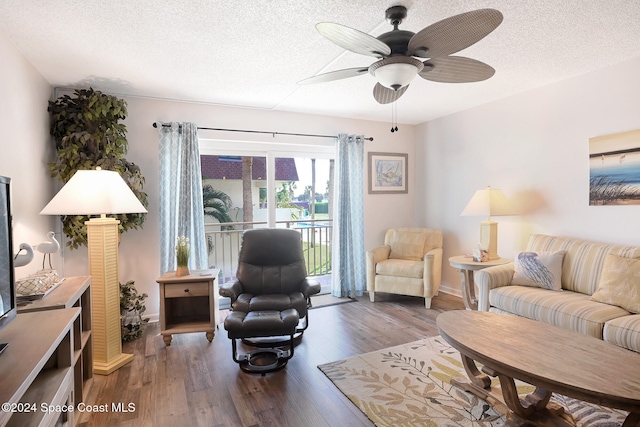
(155, 125)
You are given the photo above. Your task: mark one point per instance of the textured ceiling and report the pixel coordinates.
(252, 53)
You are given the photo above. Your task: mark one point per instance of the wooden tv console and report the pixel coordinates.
(73, 292)
(37, 369)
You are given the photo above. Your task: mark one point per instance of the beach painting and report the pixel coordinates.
(387, 173)
(614, 169)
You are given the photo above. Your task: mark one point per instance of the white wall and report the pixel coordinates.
(26, 150)
(533, 146)
(139, 249)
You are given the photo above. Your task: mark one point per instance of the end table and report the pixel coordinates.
(466, 266)
(189, 303)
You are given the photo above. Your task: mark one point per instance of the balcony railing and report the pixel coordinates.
(224, 245)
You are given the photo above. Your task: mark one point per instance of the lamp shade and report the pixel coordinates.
(94, 192)
(396, 72)
(487, 202)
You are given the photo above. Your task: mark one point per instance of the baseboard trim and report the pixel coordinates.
(153, 318)
(450, 291)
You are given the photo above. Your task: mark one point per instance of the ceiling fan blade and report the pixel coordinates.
(353, 40)
(384, 95)
(456, 69)
(335, 75)
(454, 33)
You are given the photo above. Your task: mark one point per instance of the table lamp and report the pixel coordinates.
(487, 202)
(100, 192)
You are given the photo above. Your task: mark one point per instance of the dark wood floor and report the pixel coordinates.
(196, 383)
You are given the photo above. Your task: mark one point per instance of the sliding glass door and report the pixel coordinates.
(268, 185)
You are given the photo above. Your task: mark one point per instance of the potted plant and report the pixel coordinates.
(182, 256)
(131, 309)
(88, 134)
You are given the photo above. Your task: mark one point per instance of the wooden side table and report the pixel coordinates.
(189, 303)
(466, 266)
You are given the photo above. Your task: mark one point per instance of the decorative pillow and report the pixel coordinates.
(620, 283)
(539, 269)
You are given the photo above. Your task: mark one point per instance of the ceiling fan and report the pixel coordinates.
(397, 50)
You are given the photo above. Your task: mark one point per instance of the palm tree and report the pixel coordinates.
(216, 205)
(247, 197)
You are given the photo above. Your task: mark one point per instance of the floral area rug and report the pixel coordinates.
(409, 385)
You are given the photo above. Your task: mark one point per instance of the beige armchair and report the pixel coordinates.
(409, 263)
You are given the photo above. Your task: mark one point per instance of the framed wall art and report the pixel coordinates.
(388, 173)
(614, 169)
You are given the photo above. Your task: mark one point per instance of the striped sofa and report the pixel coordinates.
(571, 308)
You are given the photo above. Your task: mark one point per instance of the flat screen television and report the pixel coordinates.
(8, 308)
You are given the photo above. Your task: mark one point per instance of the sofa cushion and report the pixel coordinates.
(624, 332)
(620, 283)
(407, 244)
(401, 268)
(540, 269)
(583, 260)
(569, 310)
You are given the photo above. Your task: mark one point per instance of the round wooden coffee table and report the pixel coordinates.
(550, 358)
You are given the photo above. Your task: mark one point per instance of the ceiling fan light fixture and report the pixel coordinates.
(396, 50)
(396, 72)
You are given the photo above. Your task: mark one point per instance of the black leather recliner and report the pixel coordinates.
(271, 280)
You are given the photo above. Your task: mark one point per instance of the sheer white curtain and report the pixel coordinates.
(348, 269)
(181, 207)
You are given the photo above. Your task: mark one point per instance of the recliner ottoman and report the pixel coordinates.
(255, 324)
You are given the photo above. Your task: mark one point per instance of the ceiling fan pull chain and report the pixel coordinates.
(394, 117)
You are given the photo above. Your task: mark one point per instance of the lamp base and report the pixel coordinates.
(106, 368)
(102, 245)
(489, 238)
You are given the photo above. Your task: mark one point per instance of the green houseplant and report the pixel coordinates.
(131, 310)
(87, 132)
